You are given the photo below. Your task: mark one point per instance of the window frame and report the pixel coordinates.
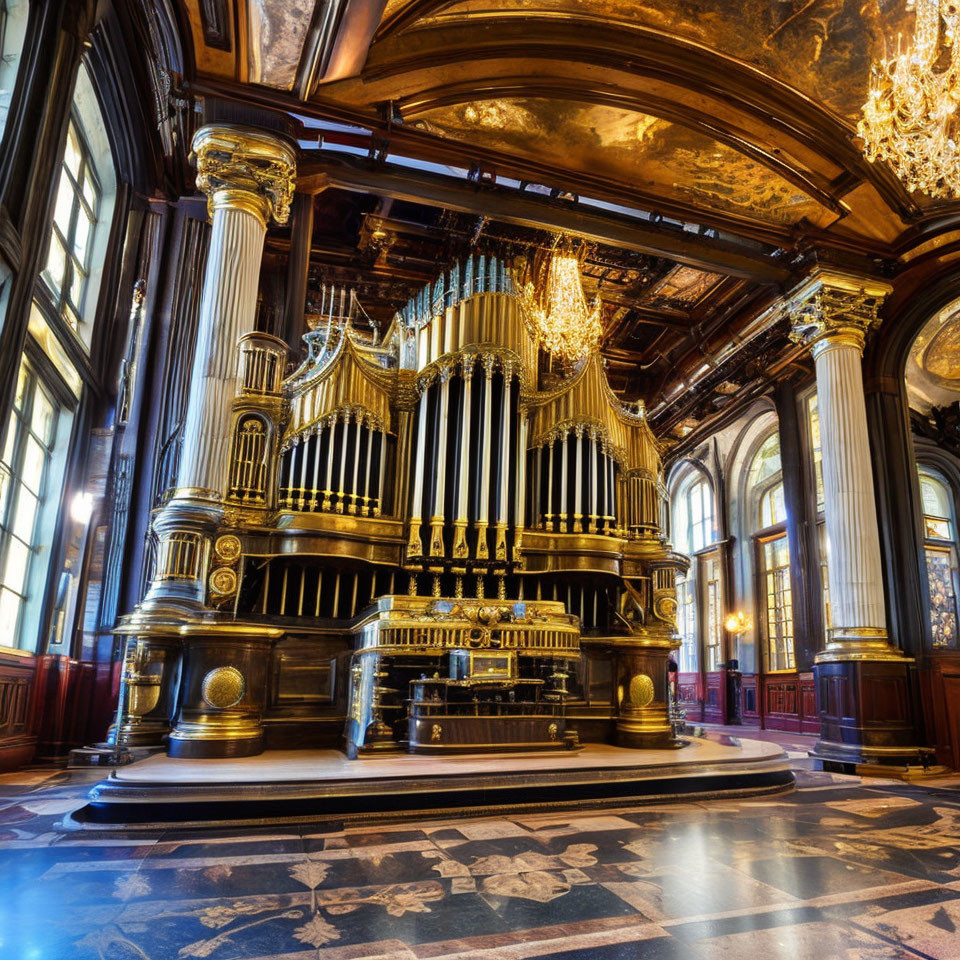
(762, 534)
(942, 547)
(761, 541)
(39, 380)
(59, 299)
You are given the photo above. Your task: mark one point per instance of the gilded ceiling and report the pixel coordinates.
(823, 48)
(648, 154)
(933, 366)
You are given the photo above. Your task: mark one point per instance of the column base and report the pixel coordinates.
(223, 689)
(643, 697)
(865, 709)
(205, 741)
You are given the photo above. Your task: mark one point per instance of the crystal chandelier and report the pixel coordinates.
(910, 117)
(555, 309)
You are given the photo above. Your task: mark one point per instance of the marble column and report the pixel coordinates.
(248, 177)
(861, 677)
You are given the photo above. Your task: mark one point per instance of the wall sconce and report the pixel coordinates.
(738, 623)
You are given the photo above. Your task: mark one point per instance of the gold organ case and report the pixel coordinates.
(428, 542)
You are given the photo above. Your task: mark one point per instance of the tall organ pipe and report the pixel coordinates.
(460, 548)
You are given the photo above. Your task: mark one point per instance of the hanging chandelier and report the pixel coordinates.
(910, 118)
(554, 307)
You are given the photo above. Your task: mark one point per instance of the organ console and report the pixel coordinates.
(421, 545)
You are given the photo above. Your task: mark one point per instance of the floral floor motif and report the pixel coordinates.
(847, 868)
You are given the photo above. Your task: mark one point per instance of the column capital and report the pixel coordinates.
(830, 307)
(242, 168)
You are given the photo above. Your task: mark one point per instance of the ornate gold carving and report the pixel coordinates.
(245, 169)
(223, 687)
(436, 733)
(223, 582)
(835, 308)
(641, 690)
(228, 548)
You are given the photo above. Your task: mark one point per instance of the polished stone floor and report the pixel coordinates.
(843, 867)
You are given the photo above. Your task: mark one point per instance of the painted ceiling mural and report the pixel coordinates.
(649, 154)
(823, 48)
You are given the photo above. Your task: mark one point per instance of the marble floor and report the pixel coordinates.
(842, 868)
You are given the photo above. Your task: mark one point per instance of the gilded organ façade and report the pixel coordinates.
(427, 541)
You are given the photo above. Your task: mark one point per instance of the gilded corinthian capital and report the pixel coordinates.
(241, 168)
(835, 308)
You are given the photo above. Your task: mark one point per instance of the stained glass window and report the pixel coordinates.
(941, 557)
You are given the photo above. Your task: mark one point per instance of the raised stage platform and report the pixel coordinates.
(291, 785)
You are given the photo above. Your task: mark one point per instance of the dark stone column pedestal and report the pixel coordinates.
(223, 690)
(865, 713)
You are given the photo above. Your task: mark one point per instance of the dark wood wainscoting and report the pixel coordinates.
(17, 740)
(715, 697)
(750, 699)
(789, 702)
(74, 703)
(939, 675)
(690, 696)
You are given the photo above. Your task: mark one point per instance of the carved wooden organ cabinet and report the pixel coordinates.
(423, 543)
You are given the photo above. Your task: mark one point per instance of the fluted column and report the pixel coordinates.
(248, 177)
(832, 316)
(860, 677)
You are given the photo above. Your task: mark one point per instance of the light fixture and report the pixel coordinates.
(738, 622)
(554, 307)
(910, 118)
(81, 507)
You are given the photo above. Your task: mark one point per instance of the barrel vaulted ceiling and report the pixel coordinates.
(732, 123)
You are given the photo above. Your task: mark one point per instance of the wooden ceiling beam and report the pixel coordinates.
(531, 211)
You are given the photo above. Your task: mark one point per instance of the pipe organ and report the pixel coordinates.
(420, 546)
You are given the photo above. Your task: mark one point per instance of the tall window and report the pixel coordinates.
(779, 603)
(940, 552)
(74, 217)
(773, 553)
(693, 516)
(687, 625)
(713, 614)
(24, 488)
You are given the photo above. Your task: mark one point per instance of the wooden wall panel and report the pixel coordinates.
(17, 740)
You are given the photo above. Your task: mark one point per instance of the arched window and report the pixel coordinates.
(765, 492)
(36, 455)
(82, 213)
(940, 552)
(699, 612)
(693, 527)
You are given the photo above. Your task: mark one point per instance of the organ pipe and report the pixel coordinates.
(440, 467)
(414, 545)
(460, 550)
(482, 551)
